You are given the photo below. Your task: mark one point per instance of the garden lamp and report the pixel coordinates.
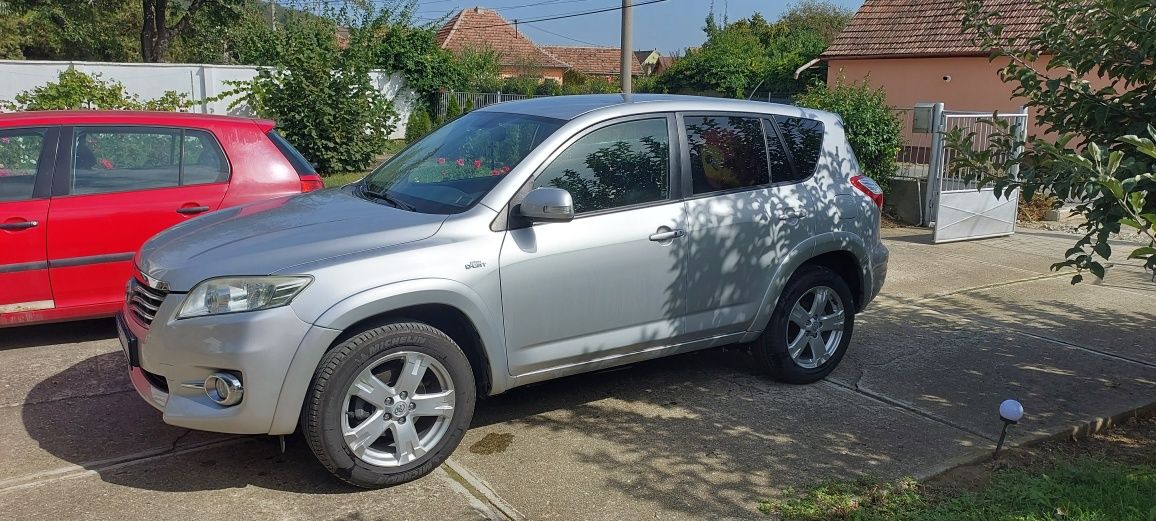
(1010, 412)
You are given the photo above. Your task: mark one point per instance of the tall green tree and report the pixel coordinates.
(96, 30)
(162, 21)
(1094, 144)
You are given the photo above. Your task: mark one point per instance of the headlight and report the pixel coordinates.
(239, 294)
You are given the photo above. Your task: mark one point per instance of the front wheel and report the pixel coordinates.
(389, 405)
(809, 329)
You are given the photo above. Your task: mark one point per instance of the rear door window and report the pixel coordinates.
(804, 139)
(726, 153)
(120, 159)
(19, 160)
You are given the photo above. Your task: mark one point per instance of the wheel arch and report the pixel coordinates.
(447, 305)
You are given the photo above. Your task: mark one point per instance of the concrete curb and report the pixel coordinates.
(482, 490)
(1082, 430)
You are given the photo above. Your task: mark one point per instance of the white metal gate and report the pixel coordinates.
(958, 207)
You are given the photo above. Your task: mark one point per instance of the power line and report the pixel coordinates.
(562, 35)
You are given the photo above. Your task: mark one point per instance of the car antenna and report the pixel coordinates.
(756, 89)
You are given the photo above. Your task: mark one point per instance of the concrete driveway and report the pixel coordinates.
(959, 328)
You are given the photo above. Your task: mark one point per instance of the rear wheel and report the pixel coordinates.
(389, 405)
(809, 329)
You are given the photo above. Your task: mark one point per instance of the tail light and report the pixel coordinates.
(311, 182)
(869, 188)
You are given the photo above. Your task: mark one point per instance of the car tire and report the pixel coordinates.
(371, 428)
(802, 344)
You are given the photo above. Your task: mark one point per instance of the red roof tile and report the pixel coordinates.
(485, 29)
(593, 60)
(884, 28)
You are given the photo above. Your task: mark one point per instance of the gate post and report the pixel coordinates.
(935, 164)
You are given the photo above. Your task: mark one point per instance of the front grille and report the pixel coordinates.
(145, 301)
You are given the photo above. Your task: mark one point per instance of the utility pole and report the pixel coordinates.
(273, 14)
(627, 46)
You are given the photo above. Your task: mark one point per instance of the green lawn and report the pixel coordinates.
(1083, 489)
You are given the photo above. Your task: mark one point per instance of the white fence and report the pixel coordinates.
(197, 81)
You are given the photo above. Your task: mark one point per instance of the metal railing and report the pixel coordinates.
(476, 100)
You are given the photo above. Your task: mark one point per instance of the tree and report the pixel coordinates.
(744, 56)
(322, 95)
(76, 90)
(157, 33)
(96, 30)
(823, 17)
(481, 69)
(1095, 144)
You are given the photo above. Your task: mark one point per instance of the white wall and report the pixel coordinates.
(151, 80)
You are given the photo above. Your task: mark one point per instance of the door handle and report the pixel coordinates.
(23, 225)
(791, 215)
(668, 235)
(188, 210)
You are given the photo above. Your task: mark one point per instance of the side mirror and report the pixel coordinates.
(547, 205)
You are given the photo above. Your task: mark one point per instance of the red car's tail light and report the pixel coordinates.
(869, 188)
(311, 182)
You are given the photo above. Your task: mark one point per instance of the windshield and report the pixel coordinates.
(449, 170)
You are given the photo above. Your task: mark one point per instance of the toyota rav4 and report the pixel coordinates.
(521, 242)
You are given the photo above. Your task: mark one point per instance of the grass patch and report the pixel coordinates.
(1108, 477)
(1084, 490)
(391, 149)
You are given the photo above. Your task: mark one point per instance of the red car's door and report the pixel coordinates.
(26, 159)
(121, 186)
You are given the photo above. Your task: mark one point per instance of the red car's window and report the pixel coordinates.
(118, 159)
(19, 159)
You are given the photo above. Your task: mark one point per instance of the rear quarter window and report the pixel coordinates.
(300, 164)
(804, 139)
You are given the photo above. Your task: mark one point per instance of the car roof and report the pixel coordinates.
(128, 117)
(570, 107)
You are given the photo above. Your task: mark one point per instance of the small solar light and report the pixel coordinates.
(1010, 412)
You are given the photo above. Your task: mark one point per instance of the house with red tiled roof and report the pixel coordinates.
(478, 28)
(594, 61)
(918, 51)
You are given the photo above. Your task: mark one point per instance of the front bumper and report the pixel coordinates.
(173, 356)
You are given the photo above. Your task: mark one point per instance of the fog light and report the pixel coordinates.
(224, 389)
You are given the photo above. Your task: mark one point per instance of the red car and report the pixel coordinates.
(81, 191)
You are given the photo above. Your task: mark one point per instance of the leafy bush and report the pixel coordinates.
(1099, 147)
(76, 90)
(322, 96)
(524, 85)
(453, 109)
(419, 123)
(872, 128)
(481, 69)
(548, 87)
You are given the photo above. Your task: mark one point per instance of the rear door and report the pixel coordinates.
(118, 186)
(744, 211)
(26, 159)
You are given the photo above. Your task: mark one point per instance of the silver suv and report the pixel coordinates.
(521, 242)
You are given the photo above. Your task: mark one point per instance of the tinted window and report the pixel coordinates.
(300, 164)
(19, 159)
(780, 162)
(804, 138)
(453, 167)
(726, 152)
(118, 159)
(202, 160)
(617, 165)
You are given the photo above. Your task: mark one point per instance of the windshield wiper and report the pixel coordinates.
(384, 196)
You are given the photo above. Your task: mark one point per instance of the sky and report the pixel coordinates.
(670, 25)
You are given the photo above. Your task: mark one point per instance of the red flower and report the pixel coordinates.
(496, 171)
(106, 164)
(477, 163)
(4, 172)
(505, 169)
(5, 140)
(461, 162)
(441, 160)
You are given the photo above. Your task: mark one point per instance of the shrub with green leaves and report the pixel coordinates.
(872, 128)
(418, 124)
(322, 97)
(1094, 144)
(75, 90)
(453, 109)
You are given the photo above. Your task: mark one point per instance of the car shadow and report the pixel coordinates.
(58, 333)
